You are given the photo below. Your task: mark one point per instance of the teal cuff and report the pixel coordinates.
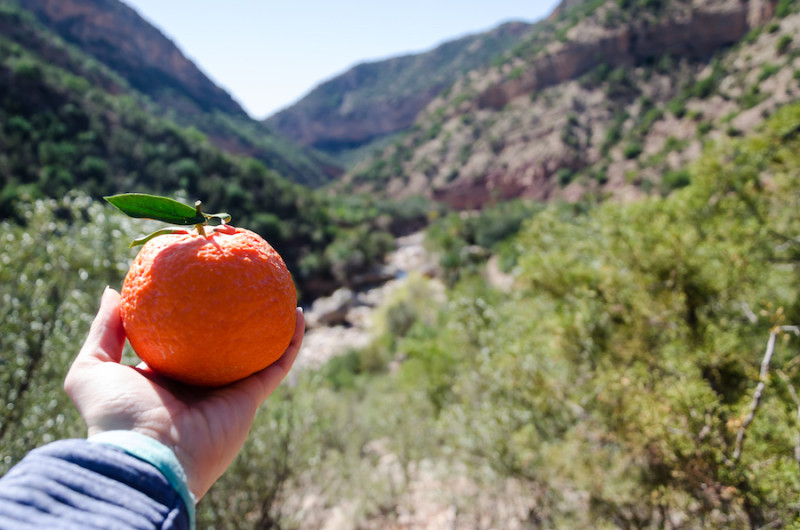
(159, 455)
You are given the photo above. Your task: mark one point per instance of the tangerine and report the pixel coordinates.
(208, 310)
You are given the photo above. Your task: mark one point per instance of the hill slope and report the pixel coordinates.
(68, 122)
(379, 98)
(604, 98)
(116, 36)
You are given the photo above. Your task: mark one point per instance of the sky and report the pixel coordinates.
(268, 54)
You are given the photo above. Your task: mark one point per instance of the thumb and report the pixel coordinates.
(106, 336)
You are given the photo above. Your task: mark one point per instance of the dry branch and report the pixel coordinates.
(762, 383)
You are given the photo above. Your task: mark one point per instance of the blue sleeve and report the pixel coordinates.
(81, 484)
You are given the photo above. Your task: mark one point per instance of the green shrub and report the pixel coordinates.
(677, 106)
(53, 270)
(752, 97)
(767, 71)
(633, 150)
(785, 8)
(676, 179)
(704, 127)
(564, 176)
(783, 44)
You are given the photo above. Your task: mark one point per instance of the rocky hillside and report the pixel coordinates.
(604, 98)
(151, 64)
(117, 36)
(376, 99)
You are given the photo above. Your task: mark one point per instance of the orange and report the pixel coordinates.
(208, 310)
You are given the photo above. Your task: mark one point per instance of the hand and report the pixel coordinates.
(205, 428)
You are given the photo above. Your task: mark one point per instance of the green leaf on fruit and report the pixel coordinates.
(143, 206)
(164, 231)
(217, 219)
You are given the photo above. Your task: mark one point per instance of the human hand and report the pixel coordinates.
(204, 427)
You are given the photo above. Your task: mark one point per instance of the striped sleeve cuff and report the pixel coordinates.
(159, 455)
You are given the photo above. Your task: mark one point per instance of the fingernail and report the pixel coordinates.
(300, 309)
(106, 293)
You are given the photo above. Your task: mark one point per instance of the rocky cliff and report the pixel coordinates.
(693, 32)
(608, 99)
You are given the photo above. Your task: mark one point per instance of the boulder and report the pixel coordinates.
(331, 310)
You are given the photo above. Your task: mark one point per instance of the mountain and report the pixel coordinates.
(68, 122)
(118, 37)
(604, 98)
(380, 98)
(151, 64)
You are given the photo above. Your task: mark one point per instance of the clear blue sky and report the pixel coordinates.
(269, 53)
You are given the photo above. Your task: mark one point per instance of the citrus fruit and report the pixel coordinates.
(208, 309)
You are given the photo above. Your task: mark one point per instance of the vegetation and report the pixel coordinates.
(463, 243)
(643, 371)
(219, 118)
(625, 376)
(60, 131)
(53, 268)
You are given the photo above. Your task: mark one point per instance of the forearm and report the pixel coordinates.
(84, 484)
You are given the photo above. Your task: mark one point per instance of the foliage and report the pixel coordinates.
(633, 150)
(613, 382)
(463, 241)
(785, 7)
(650, 323)
(61, 131)
(214, 116)
(783, 44)
(53, 268)
(675, 179)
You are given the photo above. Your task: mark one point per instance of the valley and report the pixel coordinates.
(343, 321)
(539, 264)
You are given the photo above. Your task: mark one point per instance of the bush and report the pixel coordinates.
(673, 180)
(704, 128)
(633, 150)
(564, 176)
(52, 272)
(677, 106)
(783, 44)
(784, 8)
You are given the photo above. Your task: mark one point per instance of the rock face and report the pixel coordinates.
(117, 36)
(601, 100)
(697, 35)
(379, 98)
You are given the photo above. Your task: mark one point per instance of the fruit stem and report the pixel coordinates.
(198, 206)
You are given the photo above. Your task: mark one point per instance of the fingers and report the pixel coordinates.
(287, 359)
(262, 384)
(106, 336)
